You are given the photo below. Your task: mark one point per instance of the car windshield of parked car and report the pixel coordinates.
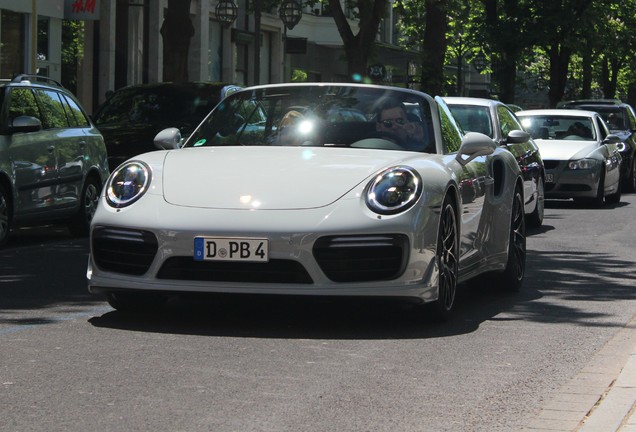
(320, 115)
(554, 127)
(159, 105)
(613, 116)
(473, 118)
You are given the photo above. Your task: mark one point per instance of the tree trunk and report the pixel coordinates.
(176, 30)
(559, 67)
(586, 88)
(631, 95)
(507, 77)
(434, 47)
(609, 77)
(359, 47)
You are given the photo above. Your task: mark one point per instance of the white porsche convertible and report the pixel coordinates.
(312, 189)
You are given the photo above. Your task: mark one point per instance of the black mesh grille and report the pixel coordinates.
(123, 250)
(575, 188)
(274, 271)
(551, 164)
(362, 258)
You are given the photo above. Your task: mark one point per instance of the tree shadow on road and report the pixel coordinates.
(45, 272)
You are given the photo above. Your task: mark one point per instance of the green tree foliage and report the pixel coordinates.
(508, 29)
(299, 75)
(424, 25)
(568, 48)
(72, 52)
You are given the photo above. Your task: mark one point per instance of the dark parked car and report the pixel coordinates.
(52, 158)
(497, 120)
(133, 115)
(621, 121)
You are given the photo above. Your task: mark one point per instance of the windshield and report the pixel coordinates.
(554, 127)
(473, 118)
(159, 104)
(320, 115)
(612, 115)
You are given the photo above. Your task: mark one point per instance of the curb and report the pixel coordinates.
(617, 410)
(601, 397)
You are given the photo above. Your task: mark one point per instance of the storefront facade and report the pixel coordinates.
(123, 44)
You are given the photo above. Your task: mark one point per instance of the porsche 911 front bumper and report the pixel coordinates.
(362, 256)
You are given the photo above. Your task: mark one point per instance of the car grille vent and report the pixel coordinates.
(273, 271)
(551, 164)
(123, 250)
(362, 258)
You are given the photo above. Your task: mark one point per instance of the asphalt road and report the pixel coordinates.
(68, 362)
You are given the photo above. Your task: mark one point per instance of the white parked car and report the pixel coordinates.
(581, 157)
(284, 190)
(496, 119)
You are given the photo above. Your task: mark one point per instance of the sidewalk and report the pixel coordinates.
(601, 397)
(617, 409)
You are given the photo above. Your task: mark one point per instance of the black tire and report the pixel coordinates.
(615, 198)
(5, 216)
(135, 302)
(79, 225)
(599, 199)
(512, 277)
(535, 219)
(630, 182)
(447, 262)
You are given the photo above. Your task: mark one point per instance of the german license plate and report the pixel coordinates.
(549, 178)
(230, 249)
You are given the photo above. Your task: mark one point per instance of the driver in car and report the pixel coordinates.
(392, 119)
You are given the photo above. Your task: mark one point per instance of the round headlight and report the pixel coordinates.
(394, 190)
(127, 184)
(581, 164)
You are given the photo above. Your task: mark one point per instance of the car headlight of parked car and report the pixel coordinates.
(582, 164)
(127, 184)
(394, 190)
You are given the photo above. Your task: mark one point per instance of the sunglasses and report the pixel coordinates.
(389, 122)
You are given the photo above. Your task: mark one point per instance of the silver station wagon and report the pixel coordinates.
(52, 158)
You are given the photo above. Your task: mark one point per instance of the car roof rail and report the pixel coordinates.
(38, 78)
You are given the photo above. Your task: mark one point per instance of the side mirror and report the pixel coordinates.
(517, 137)
(612, 139)
(25, 124)
(168, 139)
(474, 144)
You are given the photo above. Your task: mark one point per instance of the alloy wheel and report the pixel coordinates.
(91, 199)
(4, 217)
(447, 256)
(518, 239)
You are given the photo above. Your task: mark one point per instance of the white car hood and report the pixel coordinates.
(269, 178)
(565, 149)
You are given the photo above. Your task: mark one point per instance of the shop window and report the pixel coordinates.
(43, 38)
(241, 64)
(13, 37)
(215, 51)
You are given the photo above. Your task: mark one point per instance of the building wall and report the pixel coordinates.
(17, 41)
(124, 46)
